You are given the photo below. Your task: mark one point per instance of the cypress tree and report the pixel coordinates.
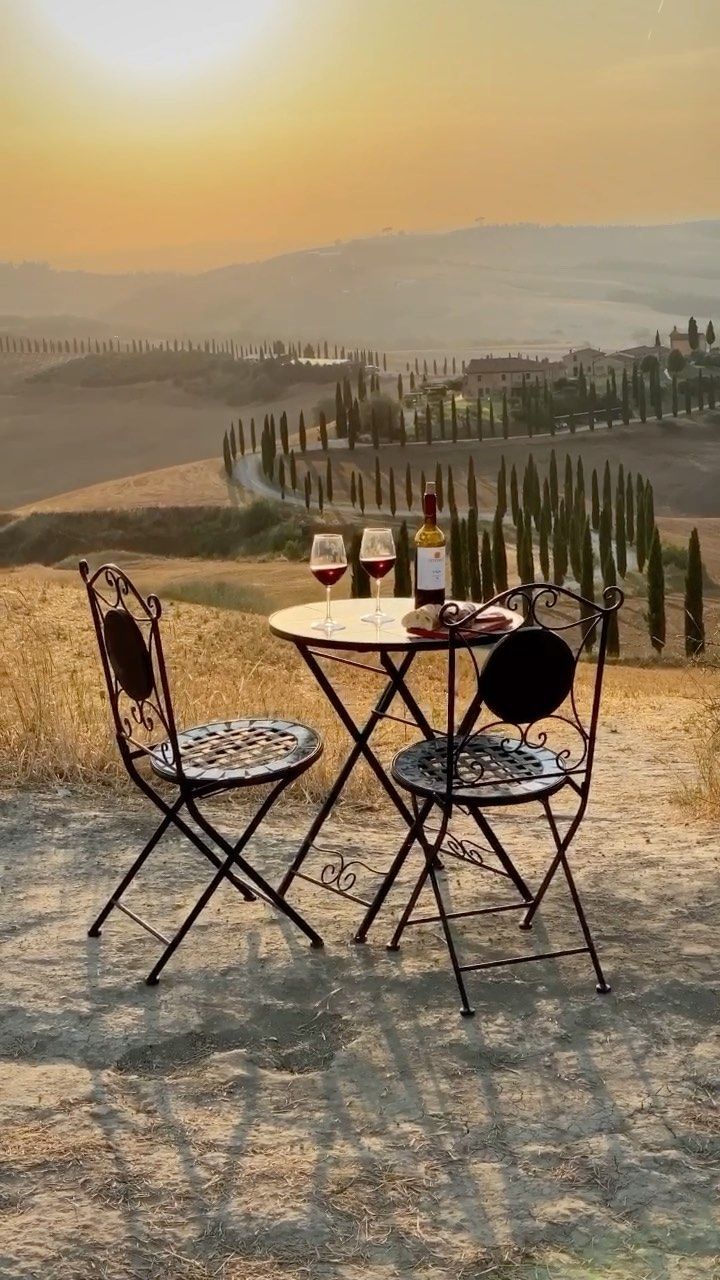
(486, 567)
(403, 432)
(452, 505)
(400, 387)
(241, 438)
(656, 595)
(560, 552)
(408, 488)
(253, 440)
(514, 503)
(233, 444)
(613, 635)
(378, 484)
(323, 431)
(284, 439)
(479, 419)
(505, 416)
(227, 456)
(580, 485)
(403, 574)
(553, 479)
(568, 484)
(361, 495)
(625, 398)
(499, 554)
(453, 420)
(620, 527)
(353, 489)
(587, 581)
(360, 586)
(302, 436)
(474, 580)
(544, 549)
(471, 483)
(528, 557)
(694, 622)
(502, 488)
(640, 527)
(607, 487)
(642, 407)
(391, 493)
(281, 478)
(520, 546)
(595, 501)
(374, 429)
(329, 480)
(605, 535)
(630, 509)
(457, 567)
(649, 514)
(293, 472)
(439, 487)
(575, 545)
(307, 490)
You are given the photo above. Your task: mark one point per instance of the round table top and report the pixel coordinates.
(296, 624)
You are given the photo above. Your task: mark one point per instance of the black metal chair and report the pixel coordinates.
(199, 762)
(535, 746)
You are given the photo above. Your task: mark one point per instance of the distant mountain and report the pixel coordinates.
(502, 286)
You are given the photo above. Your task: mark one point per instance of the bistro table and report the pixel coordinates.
(396, 650)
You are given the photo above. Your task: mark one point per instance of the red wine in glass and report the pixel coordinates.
(329, 574)
(378, 566)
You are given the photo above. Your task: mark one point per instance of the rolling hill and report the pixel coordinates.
(507, 286)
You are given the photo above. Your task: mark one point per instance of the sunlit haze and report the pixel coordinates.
(187, 135)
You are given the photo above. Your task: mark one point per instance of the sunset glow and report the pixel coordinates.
(186, 135)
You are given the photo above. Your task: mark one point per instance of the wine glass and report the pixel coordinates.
(377, 557)
(328, 562)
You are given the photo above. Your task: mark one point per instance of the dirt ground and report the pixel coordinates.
(273, 1111)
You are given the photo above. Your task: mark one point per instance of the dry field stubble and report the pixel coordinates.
(54, 722)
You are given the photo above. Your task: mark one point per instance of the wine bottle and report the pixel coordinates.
(429, 554)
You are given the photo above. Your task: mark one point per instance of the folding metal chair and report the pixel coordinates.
(535, 746)
(200, 762)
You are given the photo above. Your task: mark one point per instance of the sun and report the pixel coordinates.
(158, 38)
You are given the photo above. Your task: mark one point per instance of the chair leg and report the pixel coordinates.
(466, 1008)
(233, 857)
(602, 987)
(417, 832)
(502, 856)
(393, 873)
(96, 927)
(562, 844)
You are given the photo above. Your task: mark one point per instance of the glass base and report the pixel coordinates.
(378, 618)
(327, 626)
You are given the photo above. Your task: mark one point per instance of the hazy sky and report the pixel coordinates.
(189, 133)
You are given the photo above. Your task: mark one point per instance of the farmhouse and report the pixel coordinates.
(681, 342)
(505, 373)
(591, 359)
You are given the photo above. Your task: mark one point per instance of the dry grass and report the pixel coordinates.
(54, 723)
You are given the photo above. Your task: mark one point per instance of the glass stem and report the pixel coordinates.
(378, 610)
(328, 619)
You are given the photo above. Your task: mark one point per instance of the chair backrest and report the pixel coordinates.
(528, 682)
(127, 626)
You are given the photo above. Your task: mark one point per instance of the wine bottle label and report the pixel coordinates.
(430, 569)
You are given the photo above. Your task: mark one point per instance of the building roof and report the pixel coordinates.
(639, 353)
(505, 364)
(583, 352)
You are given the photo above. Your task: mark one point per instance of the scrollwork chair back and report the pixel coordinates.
(127, 626)
(528, 685)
